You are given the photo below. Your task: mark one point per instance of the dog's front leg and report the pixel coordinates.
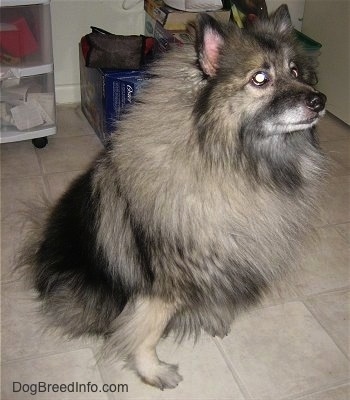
(137, 330)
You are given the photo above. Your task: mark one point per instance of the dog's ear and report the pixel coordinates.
(210, 39)
(281, 20)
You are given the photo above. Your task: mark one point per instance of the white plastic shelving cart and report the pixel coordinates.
(27, 92)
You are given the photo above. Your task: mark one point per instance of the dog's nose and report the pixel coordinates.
(316, 101)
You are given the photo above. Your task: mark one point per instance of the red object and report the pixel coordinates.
(20, 41)
(85, 47)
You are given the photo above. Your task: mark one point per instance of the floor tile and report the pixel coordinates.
(25, 335)
(331, 128)
(336, 206)
(69, 153)
(72, 122)
(275, 352)
(337, 169)
(333, 312)
(338, 393)
(204, 371)
(339, 150)
(326, 266)
(339, 207)
(12, 236)
(282, 351)
(19, 159)
(18, 192)
(77, 367)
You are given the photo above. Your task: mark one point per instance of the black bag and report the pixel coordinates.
(102, 49)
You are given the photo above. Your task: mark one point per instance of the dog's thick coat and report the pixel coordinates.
(203, 198)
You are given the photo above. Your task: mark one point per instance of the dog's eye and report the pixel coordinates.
(294, 70)
(260, 78)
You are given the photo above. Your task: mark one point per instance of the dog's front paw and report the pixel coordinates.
(162, 375)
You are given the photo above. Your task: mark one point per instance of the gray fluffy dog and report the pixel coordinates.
(202, 200)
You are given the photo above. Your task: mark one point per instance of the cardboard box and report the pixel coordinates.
(164, 38)
(105, 94)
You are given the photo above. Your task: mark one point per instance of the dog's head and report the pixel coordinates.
(259, 72)
(258, 85)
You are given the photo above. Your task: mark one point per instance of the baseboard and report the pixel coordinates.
(67, 93)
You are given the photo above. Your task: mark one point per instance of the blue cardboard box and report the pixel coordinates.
(105, 95)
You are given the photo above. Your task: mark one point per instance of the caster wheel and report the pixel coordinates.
(40, 143)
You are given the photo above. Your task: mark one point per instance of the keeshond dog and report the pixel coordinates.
(201, 201)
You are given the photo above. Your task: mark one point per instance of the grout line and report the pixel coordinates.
(234, 373)
(325, 292)
(299, 297)
(319, 390)
(304, 300)
(314, 312)
(48, 354)
(46, 190)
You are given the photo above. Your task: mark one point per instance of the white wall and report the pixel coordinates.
(328, 22)
(296, 10)
(71, 19)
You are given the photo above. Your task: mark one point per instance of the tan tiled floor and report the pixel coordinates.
(294, 346)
